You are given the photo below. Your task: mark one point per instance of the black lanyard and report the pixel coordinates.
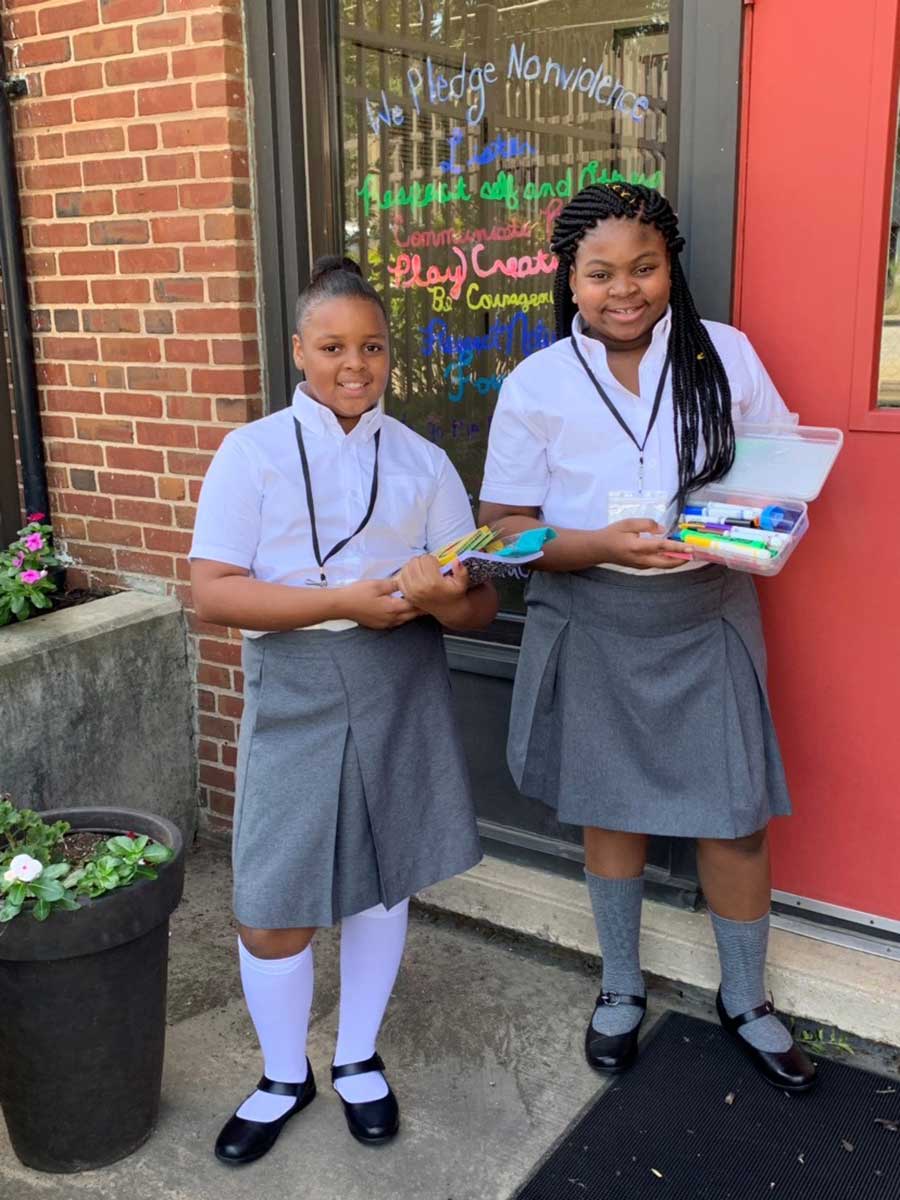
(615, 412)
(311, 506)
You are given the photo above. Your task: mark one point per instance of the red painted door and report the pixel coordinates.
(820, 105)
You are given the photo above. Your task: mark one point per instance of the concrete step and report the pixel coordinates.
(833, 986)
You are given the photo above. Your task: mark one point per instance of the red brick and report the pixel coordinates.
(215, 194)
(217, 27)
(191, 5)
(186, 516)
(129, 10)
(158, 322)
(229, 755)
(225, 383)
(49, 145)
(180, 462)
(222, 258)
(227, 653)
(237, 410)
(86, 504)
(75, 401)
(17, 25)
(85, 481)
(95, 141)
(40, 114)
(26, 146)
(181, 350)
(236, 352)
(144, 564)
(210, 438)
(113, 170)
(92, 556)
(132, 404)
(84, 204)
(63, 81)
(172, 166)
(133, 458)
(155, 34)
(130, 350)
(74, 452)
(143, 137)
(87, 262)
(65, 348)
(178, 98)
(66, 320)
(57, 175)
(213, 676)
(177, 291)
(116, 533)
(97, 376)
(119, 233)
(41, 53)
(147, 512)
(111, 320)
(62, 234)
(224, 164)
(227, 227)
(68, 16)
(166, 434)
(147, 199)
(157, 379)
(126, 485)
(120, 291)
(176, 229)
(208, 751)
(230, 289)
(39, 207)
(51, 374)
(40, 264)
(221, 93)
(216, 727)
(216, 777)
(62, 291)
(171, 489)
(207, 60)
(188, 408)
(149, 262)
(194, 486)
(145, 68)
(57, 426)
(202, 131)
(69, 527)
(102, 108)
(95, 429)
(106, 43)
(169, 540)
(216, 320)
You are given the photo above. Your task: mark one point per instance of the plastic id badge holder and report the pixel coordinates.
(778, 471)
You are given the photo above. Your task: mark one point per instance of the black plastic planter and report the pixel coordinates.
(83, 1012)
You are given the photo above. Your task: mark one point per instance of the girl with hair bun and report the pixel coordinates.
(640, 704)
(313, 535)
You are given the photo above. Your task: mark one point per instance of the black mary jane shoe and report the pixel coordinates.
(791, 1070)
(371, 1121)
(242, 1141)
(612, 1053)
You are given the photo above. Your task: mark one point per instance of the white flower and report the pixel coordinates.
(24, 868)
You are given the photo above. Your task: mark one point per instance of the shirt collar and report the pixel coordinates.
(318, 419)
(589, 345)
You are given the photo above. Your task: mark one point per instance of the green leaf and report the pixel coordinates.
(17, 894)
(40, 600)
(47, 889)
(69, 905)
(9, 911)
(56, 871)
(41, 910)
(156, 853)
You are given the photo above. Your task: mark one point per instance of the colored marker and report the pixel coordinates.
(733, 512)
(712, 542)
(750, 537)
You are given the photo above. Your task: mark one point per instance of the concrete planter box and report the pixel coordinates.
(95, 709)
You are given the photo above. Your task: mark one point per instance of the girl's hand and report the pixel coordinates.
(422, 583)
(371, 603)
(622, 544)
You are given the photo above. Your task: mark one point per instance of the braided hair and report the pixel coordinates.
(700, 390)
(331, 276)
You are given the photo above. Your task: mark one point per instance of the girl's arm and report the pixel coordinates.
(226, 595)
(445, 597)
(576, 549)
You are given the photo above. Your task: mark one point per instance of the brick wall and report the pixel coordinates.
(135, 192)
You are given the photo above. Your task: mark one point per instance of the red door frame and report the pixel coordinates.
(816, 162)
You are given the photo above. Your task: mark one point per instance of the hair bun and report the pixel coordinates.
(329, 263)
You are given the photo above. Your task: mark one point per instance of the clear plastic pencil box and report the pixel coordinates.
(781, 466)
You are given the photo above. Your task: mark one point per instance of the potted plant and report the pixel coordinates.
(86, 899)
(30, 572)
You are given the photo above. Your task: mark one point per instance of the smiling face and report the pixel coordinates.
(342, 348)
(621, 281)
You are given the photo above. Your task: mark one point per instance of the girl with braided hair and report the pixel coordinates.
(640, 703)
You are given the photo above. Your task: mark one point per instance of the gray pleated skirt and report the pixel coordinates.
(640, 704)
(352, 787)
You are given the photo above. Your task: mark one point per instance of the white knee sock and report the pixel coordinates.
(279, 995)
(371, 949)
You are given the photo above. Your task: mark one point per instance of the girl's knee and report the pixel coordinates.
(275, 943)
(751, 844)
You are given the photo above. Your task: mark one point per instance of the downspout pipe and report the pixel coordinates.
(18, 317)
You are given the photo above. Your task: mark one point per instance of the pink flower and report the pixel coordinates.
(31, 576)
(34, 517)
(34, 541)
(19, 559)
(23, 869)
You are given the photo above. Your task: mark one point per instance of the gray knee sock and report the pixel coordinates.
(742, 958)
(617, 913)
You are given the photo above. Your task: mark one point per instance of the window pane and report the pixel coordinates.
(889, 373)
(465, 127)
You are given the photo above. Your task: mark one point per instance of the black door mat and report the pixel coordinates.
(693, 1121)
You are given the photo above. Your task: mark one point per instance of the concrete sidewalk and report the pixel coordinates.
(483, 1042)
